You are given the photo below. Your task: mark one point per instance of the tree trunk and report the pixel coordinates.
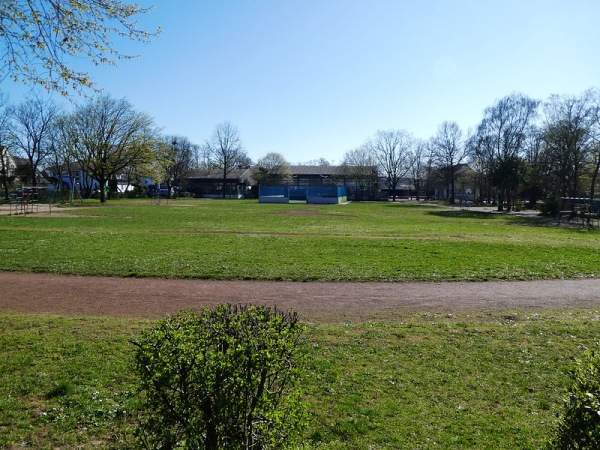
(212, 437)
(4, 175)
(32, 173)
(102, 183)
(593, 187)
(224, 179)
(500, 200)
(5, 186)
(452, 184)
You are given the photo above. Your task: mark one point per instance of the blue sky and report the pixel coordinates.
(315, 78)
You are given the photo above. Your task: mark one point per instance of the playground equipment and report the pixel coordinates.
(156, 199)
(24, 200)
(59, 192)
(585, 210)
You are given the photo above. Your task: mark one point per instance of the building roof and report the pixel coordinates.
(243, 174)
(315, 170)
(18, 161)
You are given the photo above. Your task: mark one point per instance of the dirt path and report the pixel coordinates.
(152, 298)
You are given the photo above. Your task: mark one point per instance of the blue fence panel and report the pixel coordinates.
(272, 191)
(297, 193)
(316, 194)
(322, 191)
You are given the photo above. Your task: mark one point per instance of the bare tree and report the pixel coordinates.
(201, 159)
(595, 169)
(568, 137)
(481, 156)
(40, 41)
(272, 169)
(5, 170)
(244, 161)
(319, 162)
(595, 149)
(392, 151)
(32, 131)
(537, 167)
(176, 157)
(60, 160)
(359, 165)
(500, 141)
(106, 136)
(448, 151)
(225, 150)
(418, 166)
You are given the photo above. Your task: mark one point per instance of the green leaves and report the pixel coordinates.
(222, 378)
(580, 424)
(41, 40)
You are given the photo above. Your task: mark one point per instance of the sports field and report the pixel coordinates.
(244, 240)
(474, 370)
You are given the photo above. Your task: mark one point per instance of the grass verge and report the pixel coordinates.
(419, 381)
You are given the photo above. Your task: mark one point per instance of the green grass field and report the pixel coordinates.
(487, 381)
(478, 381)
(247, 240)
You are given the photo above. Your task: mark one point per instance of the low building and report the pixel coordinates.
(209, 183)
(359, 183)
(404, 189)
(16, 171)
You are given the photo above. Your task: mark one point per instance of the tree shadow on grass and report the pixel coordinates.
(512, 219)
(526, 219)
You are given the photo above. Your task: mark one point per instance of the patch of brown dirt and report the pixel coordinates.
(298, 212)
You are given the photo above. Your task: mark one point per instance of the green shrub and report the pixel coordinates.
(579, 427)
(548, 207)
(221, 379)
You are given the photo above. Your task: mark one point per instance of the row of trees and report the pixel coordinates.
(41, 43)
(105, 138)
(522, 148)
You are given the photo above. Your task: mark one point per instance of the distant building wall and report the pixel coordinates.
(308, 194)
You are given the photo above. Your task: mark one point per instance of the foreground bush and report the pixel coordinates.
(221, 379)
(580, 425)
